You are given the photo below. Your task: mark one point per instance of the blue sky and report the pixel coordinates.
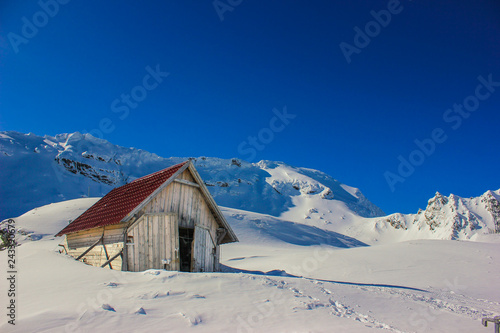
(356, 120)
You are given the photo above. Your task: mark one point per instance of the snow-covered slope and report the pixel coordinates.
(37, 170)
(299, 279)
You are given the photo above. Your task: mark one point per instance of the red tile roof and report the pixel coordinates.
(115, 205)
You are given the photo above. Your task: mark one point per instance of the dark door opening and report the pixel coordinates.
(185, 241)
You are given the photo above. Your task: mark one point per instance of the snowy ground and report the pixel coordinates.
(281, 277)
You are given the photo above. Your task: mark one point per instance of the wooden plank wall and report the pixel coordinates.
(188, 202)
(154, 237)
(80, 241)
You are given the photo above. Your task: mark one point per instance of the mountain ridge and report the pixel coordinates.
(72, 165)
(452, 217)
(37, 171)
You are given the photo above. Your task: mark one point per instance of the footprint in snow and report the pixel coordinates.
(158, 294)
(140, 311)
(108, 307)
(192, 320)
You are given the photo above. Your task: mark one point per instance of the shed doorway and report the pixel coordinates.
(185, 248)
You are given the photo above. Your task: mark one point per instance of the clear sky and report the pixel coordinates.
(352, 84)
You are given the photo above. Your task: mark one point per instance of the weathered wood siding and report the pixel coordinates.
(78, 242)
(204, 251)
(153, 238)
(188, 202)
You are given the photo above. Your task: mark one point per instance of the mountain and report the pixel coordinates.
(451, 217)
(38, 170)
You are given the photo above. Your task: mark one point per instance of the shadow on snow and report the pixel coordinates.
(278, 272)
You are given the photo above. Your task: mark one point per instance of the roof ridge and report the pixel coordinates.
(158, 172)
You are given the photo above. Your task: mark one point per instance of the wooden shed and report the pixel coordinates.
(165, 220)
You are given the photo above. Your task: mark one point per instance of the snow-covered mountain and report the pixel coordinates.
(38, 170)
(451, 217)
(35, 171)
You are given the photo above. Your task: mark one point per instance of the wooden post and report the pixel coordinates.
(125, 251)
(495, 320)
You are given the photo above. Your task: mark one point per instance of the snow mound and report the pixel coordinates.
(44, 222)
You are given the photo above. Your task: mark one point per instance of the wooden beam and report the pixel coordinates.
(107, 256)
(91, 247)
(112, 258)
(133, 224)
(64, 247)
(221, 233)
(186, 182)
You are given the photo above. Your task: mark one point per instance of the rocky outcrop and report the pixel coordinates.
(452, 217)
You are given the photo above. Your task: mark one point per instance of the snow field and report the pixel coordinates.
(288, 280)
